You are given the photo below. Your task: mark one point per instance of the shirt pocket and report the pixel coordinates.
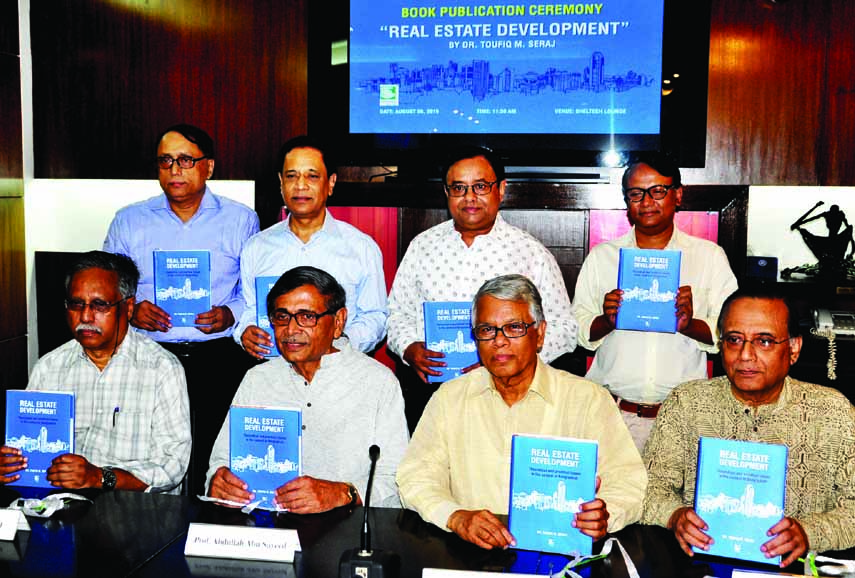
(128, 435)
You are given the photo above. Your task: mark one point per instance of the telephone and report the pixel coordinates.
(831, 325)
(838, 322)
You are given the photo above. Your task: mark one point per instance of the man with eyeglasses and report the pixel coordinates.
(132, 420)
(188, 216)
(456, 473)
(310, 235)
(450, 261)
(758, 401)
(348, 400)
(640, 368)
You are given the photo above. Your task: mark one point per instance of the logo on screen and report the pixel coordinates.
(389, 95)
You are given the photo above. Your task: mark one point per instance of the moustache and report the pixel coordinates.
(294, 341)
(87, 327)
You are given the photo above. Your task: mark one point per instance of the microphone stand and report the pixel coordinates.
(364, 562)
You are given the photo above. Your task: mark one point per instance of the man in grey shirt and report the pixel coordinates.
(349, 402)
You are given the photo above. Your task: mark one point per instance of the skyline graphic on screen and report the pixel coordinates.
(583, 68)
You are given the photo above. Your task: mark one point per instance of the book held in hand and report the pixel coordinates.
(551, 477)
(182, 284)
(263, 285)
(448, 330)
(649, 279)
(41, 425)
(740, 494)
(265, 445)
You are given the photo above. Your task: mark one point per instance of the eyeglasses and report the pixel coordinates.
(761, 342)
(97, 306)
(185, 162)
(282, 317)
(656, 192)
(511, 330)
(460, 190)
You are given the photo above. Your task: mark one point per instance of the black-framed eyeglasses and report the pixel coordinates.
(184, 161)
(98, 306)
(511, 330)
(480, 188)
(761, 342)
(282, 317)
(656, 192)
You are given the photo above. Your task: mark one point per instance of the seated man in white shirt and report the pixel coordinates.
(456, 472)
(118, 373)
(348, 400)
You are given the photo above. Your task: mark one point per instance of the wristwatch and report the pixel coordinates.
(354, 495)
(108, 478)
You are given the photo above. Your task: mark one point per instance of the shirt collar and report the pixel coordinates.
(540, 386)
(330, 227)
(498, 226)
(768, 408)
(209, 201)
(126, 349)
(677, 240)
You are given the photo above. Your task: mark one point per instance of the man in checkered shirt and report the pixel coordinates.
(132, 418)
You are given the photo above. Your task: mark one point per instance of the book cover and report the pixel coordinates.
(265, 448)
(448, 329)
(262, 289)
(649, 279)
(41, 425)
(740, 494)
(551, 477)
(182, 284)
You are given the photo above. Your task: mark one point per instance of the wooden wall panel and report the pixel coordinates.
(108, 77)
(837, 156)
(13, 300)
(766, 76)
(11, 151)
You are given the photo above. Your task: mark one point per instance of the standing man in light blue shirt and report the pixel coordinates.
(188, 216)
(311, 236)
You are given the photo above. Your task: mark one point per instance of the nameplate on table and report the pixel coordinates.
(239, 568)
(241, 542)
(10, 522)
(441, 573)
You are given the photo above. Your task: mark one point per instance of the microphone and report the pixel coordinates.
(363, 562)
(365, 539)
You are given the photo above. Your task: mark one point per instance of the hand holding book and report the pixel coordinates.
(480, 527)
(12, 460)
(150, 317)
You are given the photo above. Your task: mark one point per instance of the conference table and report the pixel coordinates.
(143, 535)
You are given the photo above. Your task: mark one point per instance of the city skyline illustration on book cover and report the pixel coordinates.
(448, 329)
(551, 477)
(649, 279)
(740, 494)
(182, 284)
(265, 448)
(41, 425)
(262, 289)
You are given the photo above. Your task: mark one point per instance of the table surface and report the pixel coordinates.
(143, 535)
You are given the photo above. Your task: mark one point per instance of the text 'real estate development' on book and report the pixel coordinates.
(265, 448)
(649, 279)
(41, 425)
(448, 330)
(551, 477)
(182, 284)
(263, 285)
(740, 494)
